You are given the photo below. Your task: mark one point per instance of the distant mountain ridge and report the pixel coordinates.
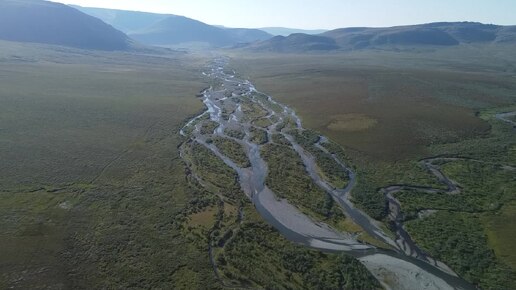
(169, 29)
(107, 29)
(297, 42)
(285, 31)
(439, 34)
(126, 21)
(178, 29)
(54, 23)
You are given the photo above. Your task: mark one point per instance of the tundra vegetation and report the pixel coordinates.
(95, 194)
(386, 111)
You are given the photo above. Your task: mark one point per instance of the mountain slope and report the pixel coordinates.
(506, 34)
(442, 34)
(126, 21)
(435, 34)
(248, 34)
(297, 42)
(168, 29)
(179, 29)
(54, 23)
(284, 31)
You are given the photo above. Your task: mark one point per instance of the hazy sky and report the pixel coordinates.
(310, 14)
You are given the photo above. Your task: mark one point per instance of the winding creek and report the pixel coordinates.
(506, 117)
(405, 266)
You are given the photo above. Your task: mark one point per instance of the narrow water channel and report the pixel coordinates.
(224, 102)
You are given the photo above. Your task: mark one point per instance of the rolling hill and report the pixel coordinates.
(248, 34)
(297, 42)
(437, 34)
(53, 23)
(168, 29)
(440, 34)
(126, 21)
(178, 29)
(285, 31)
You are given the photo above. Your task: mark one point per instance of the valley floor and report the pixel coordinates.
(457, 174)
(114, 175)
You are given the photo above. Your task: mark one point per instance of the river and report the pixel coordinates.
(406, 266)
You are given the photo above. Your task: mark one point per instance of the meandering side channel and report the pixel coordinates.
(228, 101)
(506, 117)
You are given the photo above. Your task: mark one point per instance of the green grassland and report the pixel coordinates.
(463, 245)
(500, 238)
(291, 266)
(208, 127)
(238, 134)
(64, 110)
(328, 167)
(91, 180)
(233, 150)
(385, 111)
(258, 136)
(488, 179)
(288, 179)
(94, 194)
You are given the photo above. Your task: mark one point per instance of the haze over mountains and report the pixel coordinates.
(168, 29)
(284, 31)
(55, 23)
(107, 29)
(433, 34)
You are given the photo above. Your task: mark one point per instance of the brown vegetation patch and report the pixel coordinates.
(413, 106)
(351, 122)
(204, 218)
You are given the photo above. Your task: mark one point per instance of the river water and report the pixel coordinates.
(404, 267)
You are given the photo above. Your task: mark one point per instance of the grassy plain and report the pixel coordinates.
(63, 108)
(94, 194)
(91, 180)
(472, 259)
(500, 237)
(387, 105)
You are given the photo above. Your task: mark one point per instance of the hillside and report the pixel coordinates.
(441, 34)
(247, 34)
(126, 21)
(438, 34)
(285, 31)
(169, 29)
(178, 29)
(53, 23)
(297, 42)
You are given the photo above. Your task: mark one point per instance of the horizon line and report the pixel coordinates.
(297, 28)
